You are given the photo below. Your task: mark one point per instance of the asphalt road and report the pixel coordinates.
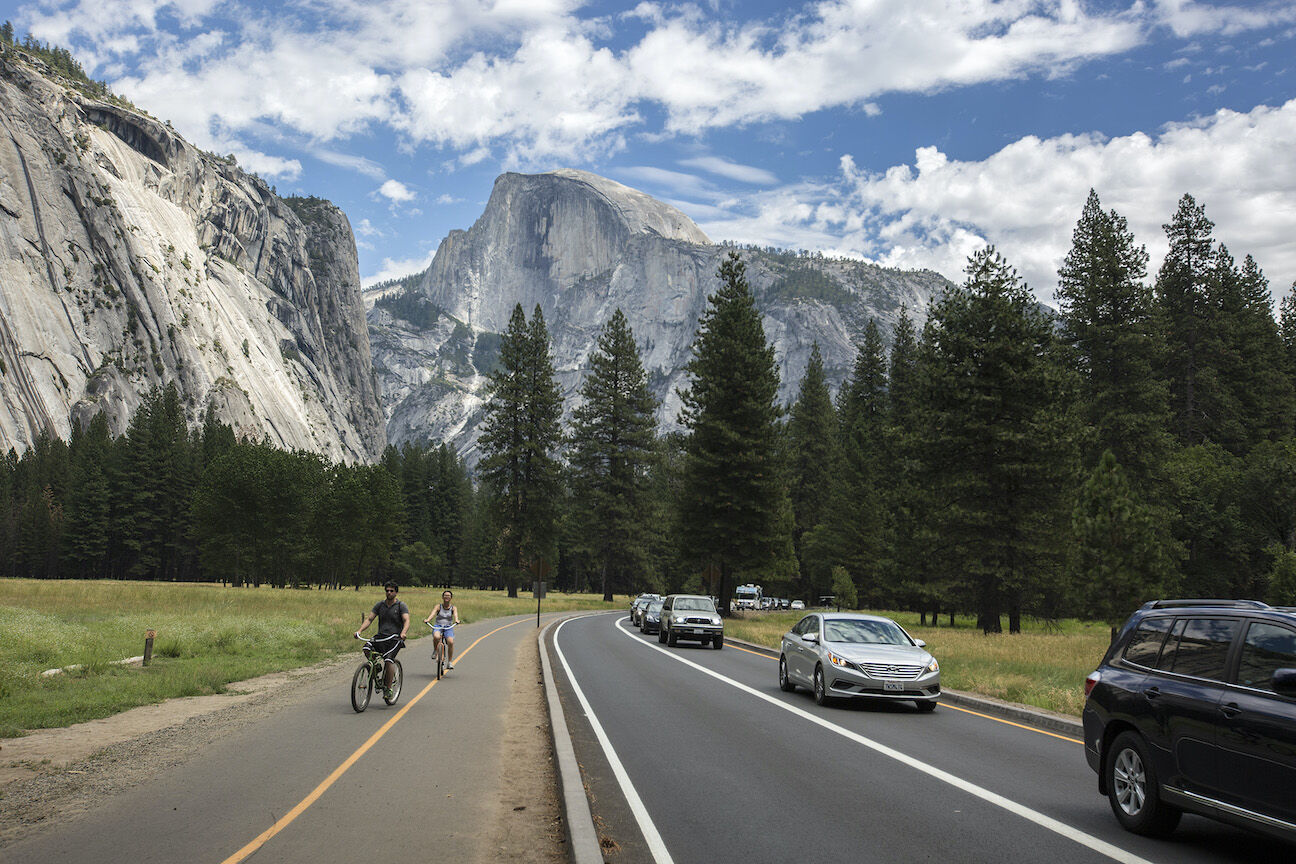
(695, 755)
(316, 782)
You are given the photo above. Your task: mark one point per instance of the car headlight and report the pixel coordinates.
(932, 666)
(840, 662)
(678, 619)
(715, 621)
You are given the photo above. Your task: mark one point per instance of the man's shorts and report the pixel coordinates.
(388, 646)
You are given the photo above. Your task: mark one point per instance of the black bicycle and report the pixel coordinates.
(369, 676)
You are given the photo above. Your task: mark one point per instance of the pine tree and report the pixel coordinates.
(611, 452)
(734, 510)
(520, 436)
(991, 449)
(814, 459)
(1185, 311)
(1252, 360)
(1107, 316)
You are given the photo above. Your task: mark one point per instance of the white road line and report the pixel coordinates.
(1100, 846)
(655, 843)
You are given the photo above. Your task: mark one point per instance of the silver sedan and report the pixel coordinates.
(848, 655)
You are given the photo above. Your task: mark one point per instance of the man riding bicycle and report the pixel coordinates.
(393, 621)
(447, 616)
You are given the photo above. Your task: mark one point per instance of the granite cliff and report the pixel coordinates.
(130, 258)
(580, 246)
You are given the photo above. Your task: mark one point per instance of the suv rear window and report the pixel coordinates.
(1199, 647)
(1144, 647)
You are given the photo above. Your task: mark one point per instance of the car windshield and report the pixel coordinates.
(693, 604)
(864, 632)
(655, 606)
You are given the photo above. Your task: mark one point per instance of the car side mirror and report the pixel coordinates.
(1284, 682)
(920, 643)
(810, 637)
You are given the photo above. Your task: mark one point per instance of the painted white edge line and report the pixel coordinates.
(1100, 846)
(585, 843)
(655, 843)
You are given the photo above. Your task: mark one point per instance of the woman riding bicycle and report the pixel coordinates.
(447, 616)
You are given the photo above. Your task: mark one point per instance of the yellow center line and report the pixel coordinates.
(955, 707)
(287, 818)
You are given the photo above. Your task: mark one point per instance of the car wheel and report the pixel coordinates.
(671, 639)
(1133, 791)
(661, 634)
(717, 642)
(820, 687)
(926, 707)
(785, 683)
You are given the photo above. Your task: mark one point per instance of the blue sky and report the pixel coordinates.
(906, 132)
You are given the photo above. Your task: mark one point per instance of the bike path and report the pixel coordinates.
(293, 786)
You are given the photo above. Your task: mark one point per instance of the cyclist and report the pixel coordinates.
(393, 621)
(447, 616)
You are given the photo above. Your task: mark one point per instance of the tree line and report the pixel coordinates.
(1002, 460)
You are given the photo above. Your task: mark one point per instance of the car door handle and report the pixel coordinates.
(1230, 710)
(1152, 693)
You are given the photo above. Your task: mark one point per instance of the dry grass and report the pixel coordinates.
(1044, 666)
(207, 637)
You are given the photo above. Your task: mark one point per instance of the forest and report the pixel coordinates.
(1002, 460)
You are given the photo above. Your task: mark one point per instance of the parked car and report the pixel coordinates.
(849, 655)
(798, 604)
(691, 617)
(637, 607)
(650, 618)
(1193, 709)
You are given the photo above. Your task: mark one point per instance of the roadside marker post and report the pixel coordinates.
(538, 588)
(149, 635)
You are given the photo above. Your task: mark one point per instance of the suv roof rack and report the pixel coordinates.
(1233, 604)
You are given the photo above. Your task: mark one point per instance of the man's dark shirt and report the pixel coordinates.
(389, 617)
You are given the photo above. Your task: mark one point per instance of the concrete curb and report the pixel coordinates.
(1024, 714)
(584, 842)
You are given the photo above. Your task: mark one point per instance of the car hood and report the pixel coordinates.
(906, 655)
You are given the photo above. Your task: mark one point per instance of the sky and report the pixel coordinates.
(909, 133)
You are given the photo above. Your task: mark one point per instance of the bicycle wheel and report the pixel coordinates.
(441, 659)
(361, 688)
(398, 677)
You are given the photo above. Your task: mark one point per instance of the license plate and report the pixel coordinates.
(699, 632)
(895, 686)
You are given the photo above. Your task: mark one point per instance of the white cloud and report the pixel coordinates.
(359, 164)
(395, 269)
(731, 170)
(1027, 197)
(396, 192)
(1189, 18)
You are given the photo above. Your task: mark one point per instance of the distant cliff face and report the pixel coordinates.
(580, 246)
(128, 259)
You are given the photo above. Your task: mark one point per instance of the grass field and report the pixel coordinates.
(208, 636)
(1044, 666)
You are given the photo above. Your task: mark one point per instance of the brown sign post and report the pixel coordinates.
(149, 635)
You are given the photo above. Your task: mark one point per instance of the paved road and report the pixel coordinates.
(312, 782)
(727, 768)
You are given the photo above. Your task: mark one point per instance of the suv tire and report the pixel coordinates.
(1133, 790)
(661, 634)
(671, 638)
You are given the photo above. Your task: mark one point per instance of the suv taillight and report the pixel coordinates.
(1094, 677)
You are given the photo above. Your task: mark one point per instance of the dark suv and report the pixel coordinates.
(1194, 709)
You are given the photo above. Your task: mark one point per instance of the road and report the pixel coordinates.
(312, 781)
(695, 755)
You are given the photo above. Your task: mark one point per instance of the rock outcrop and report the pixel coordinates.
(129, 259)
(580, 246)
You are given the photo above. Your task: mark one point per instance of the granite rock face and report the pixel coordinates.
(129, 259)
(580, 246)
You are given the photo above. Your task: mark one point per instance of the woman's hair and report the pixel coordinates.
(448, 591)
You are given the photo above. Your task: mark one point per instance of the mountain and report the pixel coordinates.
(130, 259)
(580, 246)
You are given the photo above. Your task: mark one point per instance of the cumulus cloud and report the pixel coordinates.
(396, 192)
(1026, 198)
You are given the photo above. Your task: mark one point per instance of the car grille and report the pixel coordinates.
(706, 621)
(891, 671)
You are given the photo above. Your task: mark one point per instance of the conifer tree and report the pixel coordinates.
(733, 503)
(611, 452)
(1107, 316)
(1251, 364)
(813, 468)
(991, 440)
(1185, 311)
(520, 437)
